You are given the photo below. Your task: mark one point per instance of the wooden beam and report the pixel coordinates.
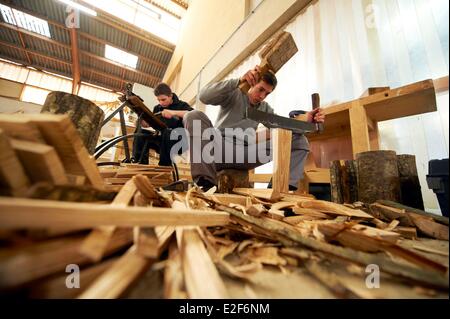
(76, 77)
(30, 213)
(281, 160)
(40, 161)
(359, 129)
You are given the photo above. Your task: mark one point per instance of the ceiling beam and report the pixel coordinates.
(32, 52)
(108, 19)
(75, 62)
(81, 52)
(181, 3)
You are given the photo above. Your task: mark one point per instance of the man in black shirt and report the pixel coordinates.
(171, 110)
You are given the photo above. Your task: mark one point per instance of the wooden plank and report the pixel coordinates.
(429, 227)
(333, 208)
(22, 265)
(438, 218)
(115, 281)
(173, 274)
(95, 244)
(281, 161)
(29, 213)
(197, 265)
(40, 161)
(59, 132)
(13, 180)
(232, 199)
(359, 129)
(55, 287)
(411, 99)
(374, 90)
(19, 127)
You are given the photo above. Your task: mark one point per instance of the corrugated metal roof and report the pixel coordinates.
(93, 34)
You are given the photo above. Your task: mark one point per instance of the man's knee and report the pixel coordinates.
(196, 115)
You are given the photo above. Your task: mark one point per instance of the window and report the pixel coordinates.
(120, 56)
(25, 21)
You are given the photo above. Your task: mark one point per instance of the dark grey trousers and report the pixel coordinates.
(243, 155)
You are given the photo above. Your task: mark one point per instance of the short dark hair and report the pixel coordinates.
(270, 78)
(162, 89)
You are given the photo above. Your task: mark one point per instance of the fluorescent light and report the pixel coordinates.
(120, 56)
(79, 7)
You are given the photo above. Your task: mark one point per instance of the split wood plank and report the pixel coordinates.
(59, 132)
(197, 266)
(95, 244)
(13, 180)
(114, 282)
(40, 161)
(429, 227)
(174, 287)
(333, 208)
(282, 140)
(19, 266)
(56, 288)
(29, 213)
(19, 127)
(437, 218)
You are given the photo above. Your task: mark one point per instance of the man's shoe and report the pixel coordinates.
(205, 184)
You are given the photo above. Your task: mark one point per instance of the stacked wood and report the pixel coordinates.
(248, 244)
(49, 149)
(115, 177)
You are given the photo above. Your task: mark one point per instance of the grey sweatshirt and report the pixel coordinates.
(232, 104)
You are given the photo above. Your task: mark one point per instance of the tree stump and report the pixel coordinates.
(410, 190)
(85, 115)
(232, 178)
(378, 176)
(343, 180)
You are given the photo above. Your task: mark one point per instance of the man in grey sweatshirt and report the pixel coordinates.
(236, 142)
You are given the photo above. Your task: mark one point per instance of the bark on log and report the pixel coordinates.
(344, 184)
(378, 176)
(409, 182)
(86, 116)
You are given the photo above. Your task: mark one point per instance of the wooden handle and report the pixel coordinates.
(244, 87)
(315, 97)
